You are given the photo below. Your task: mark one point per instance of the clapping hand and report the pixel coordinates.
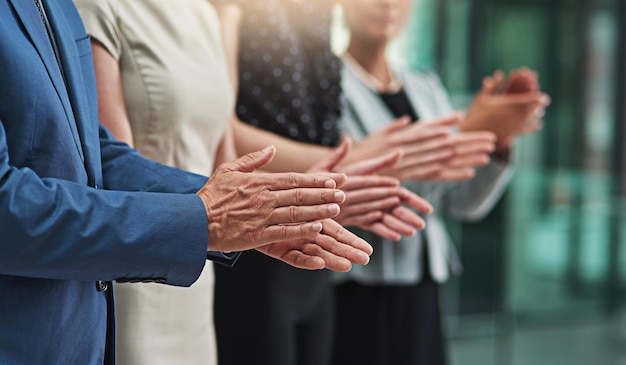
(281, 215)
(431, 150)
(508, 109)
(375, 203)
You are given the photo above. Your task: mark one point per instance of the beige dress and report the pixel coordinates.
(179, 101)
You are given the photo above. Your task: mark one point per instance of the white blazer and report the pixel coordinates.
(401, 262)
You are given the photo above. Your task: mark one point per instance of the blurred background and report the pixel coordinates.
(545, 273)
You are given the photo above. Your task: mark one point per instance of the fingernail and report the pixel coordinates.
(268, 148)
(330, 184)
(333, 209)
(317, 227)
(339, 196)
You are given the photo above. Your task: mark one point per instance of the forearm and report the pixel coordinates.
(473, 199)
(124, 169)
(57, 229)
(226, 150)
(291, 155)
(112, 111)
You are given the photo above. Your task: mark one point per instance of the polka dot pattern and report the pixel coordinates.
(289, 79)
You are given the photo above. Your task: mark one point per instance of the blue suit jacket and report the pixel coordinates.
(76, 207)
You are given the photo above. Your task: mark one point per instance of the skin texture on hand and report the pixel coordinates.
(374, 202)
(335, 248)
(248, 210)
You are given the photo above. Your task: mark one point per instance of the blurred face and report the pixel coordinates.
(376, 20)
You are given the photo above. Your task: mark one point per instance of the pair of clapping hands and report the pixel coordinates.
(296, 217)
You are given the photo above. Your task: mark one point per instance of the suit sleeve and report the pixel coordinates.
(57, 229)
(124, 169)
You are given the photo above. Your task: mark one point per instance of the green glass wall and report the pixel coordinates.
(553, 252)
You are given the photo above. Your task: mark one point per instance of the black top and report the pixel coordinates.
(289, 80)
(399, 104)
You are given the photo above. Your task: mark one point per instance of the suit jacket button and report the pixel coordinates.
(102, 286)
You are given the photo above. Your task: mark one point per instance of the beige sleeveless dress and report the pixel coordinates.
(179, 101)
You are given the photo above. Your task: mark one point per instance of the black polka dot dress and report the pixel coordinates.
(267, 312)
(289, 80)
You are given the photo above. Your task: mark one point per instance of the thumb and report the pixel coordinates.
(330, 162)
(397, 124)
(252, 161)
(374, 165)
(492, 83)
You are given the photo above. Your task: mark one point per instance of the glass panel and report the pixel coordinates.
(542, 270)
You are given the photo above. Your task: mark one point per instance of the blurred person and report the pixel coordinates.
(164, 89)
(288, 86)
(79, 210)
(397, 293)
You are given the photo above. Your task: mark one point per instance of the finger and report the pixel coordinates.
(473, 136)
(421, 172)
(408, 217)
(298, 214)
(469, 161)
(284, 181)
(307, 197)
(289, 252)
(331, 162)
(339, 178)
(456, 174)
(331, 261)
(415, 201)
(282, 233)
(492, 83)
(382, 204)
(361, 220)
(442, 141)
(397, 225)
(347, 238)
(383, 231)
(396, 125)
(370, 194)
(339, 247)
(475, 147)
(357, 182)
(435, 156)
(252, 161)
(524, 99)
(373, 165)
(425, 129)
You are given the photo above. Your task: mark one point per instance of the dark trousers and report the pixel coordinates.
(268, 313)
(388, 325)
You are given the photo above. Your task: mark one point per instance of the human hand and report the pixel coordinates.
(452, 158)
(374, 202)
(471, 150)
(335, 248)
(424, 146)
(516, 110)
(247, 210)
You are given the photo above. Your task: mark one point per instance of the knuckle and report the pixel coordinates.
(284, 233)
(298, 196)
(293, 214)
(259, 200)
(293, 180)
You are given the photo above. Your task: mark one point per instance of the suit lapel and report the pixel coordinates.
(372, 112)
(72, 69)
(31, 20)
(419, 97)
